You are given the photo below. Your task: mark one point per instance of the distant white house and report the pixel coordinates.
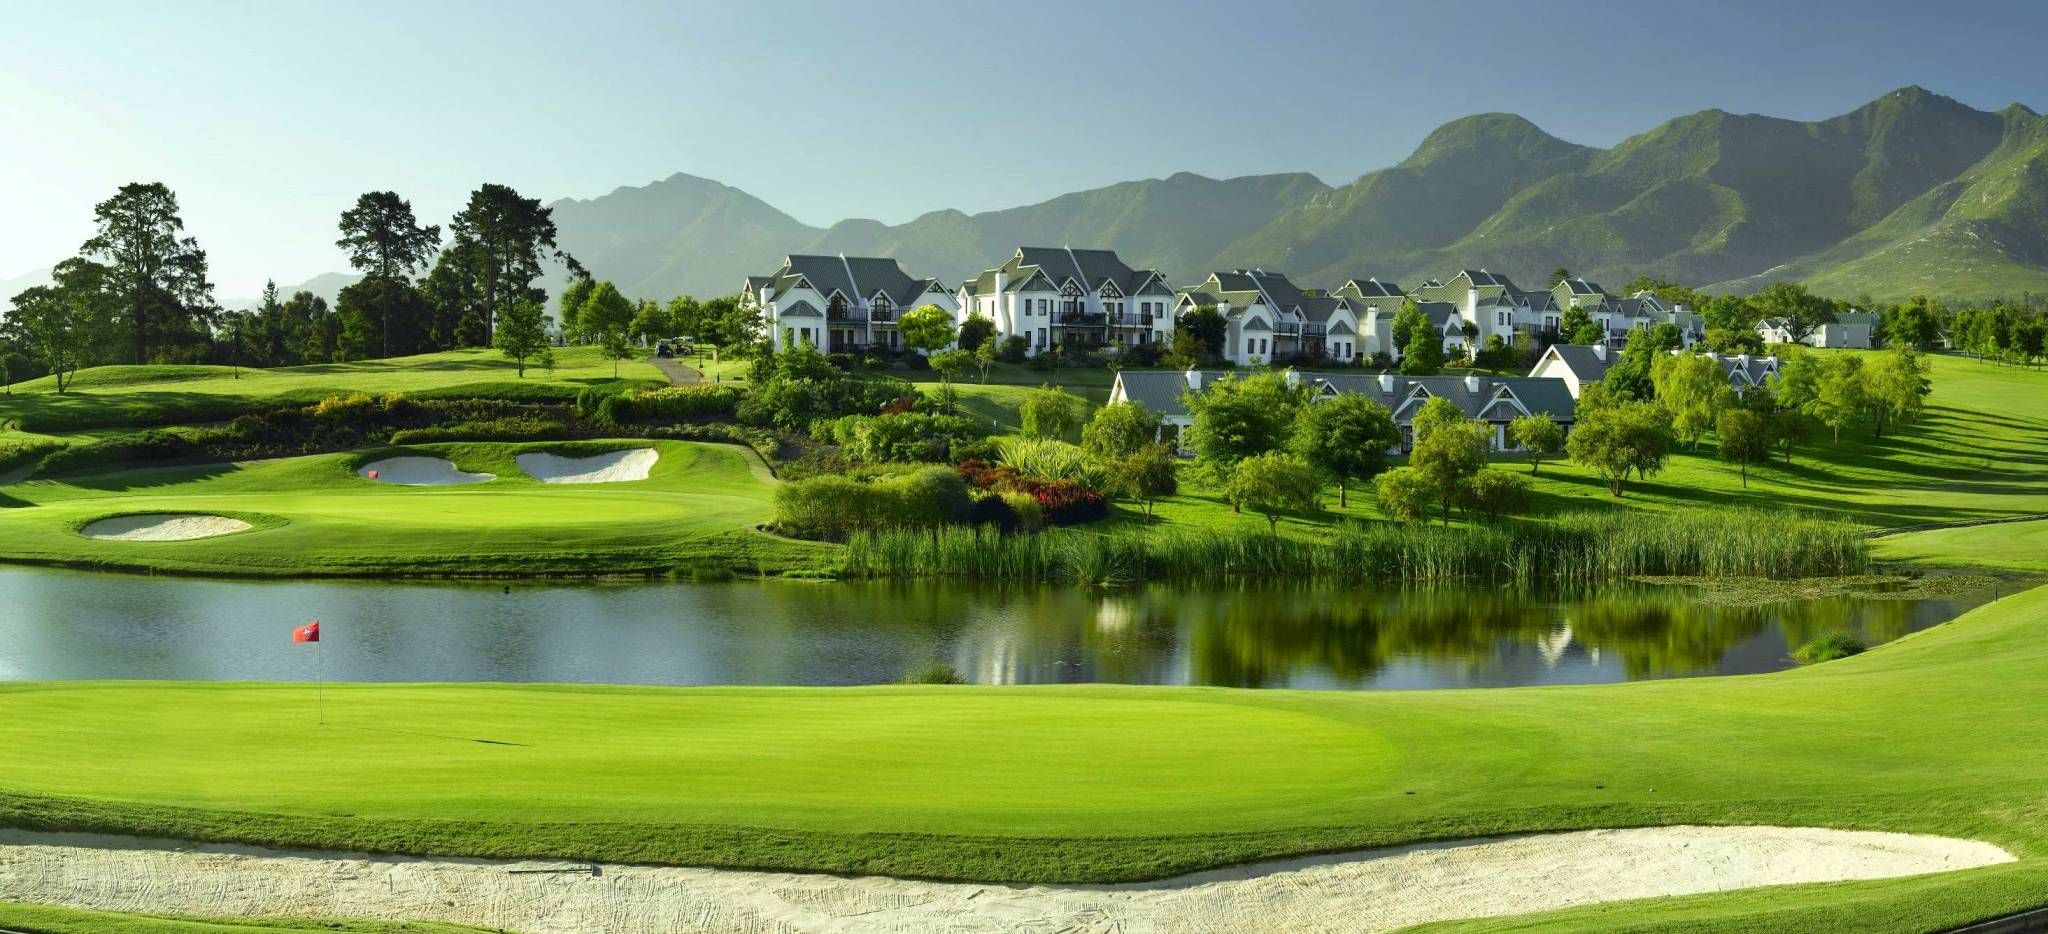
(840, 304)
(1852, 329)
(1578, 365)
(1267, 317)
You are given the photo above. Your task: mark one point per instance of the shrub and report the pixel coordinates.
(1049, 459)
(1025, 511)
(352, 407)
(1405, 495)
(934, 673)
(679, 403)
(15, 455)
(832, 506)
(1048, 412)
(1828, 648)
(1496, 493)
(1013, 349)
(515, 428)
(899, 438)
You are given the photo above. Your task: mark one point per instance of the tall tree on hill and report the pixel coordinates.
(157, 275)
(385, 241)
(505, 238)
(1558, 275)
(67, 322)
(451, 295)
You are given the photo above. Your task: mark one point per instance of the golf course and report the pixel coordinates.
(1050, 785)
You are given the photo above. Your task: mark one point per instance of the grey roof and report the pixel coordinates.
(1160, 391)
(1582, 361)
(1440, 313)
(1856, 317)
(802, 309)
(1199, 298)
(1370, 287)
(1577, 285)
(828, 274)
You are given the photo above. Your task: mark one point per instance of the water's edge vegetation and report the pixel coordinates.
(1575, 548)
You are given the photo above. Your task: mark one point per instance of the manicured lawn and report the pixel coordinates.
(2015, 546)
(113, 396)
(47, 919)
(1938, 733)
(316, 517)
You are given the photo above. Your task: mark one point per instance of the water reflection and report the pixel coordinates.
(57, 624)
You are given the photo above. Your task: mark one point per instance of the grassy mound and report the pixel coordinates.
(697, 510)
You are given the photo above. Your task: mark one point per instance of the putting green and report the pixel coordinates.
(697, 511)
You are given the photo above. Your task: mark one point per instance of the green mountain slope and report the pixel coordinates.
(680, 235)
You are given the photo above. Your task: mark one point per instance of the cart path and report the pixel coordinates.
(678, 374)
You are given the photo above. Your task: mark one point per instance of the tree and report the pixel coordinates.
(370, 309)
(650, 320)
(1916, 324)
(1422, 353)
(1840, 398)
(986, 355)
(1405, 495)
(62, 325)
(951, 365)
(1145, 474)
(1496, 356)
(1273, 483)
(927, 328)
(1120, 429)
(1198, 335)
(1744, 439)
(234, 337)
(1694, 390)
(1047, 412)
(451, 295)
(1632, 374)
(156, 277)
(976, 331)
(1496, 493)
(1578, 327)
(607, 316)
(1539, 437)
(522, 335)
(507, 237)
(571, 303)
(1896, 386)
(1730, 313)
(1615, 437)
(1801, 311)
(384, 239)
(1235, 418)
(1558, 275)
(1448, 450)
(1345, 439)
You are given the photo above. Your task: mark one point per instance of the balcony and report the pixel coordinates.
(1130, 320)
(1286, 329)
(843, 313)
(1314, 332)
(883, 316)
(1082, 319)
(849, 345)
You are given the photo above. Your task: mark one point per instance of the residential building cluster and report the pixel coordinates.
(1091, 299)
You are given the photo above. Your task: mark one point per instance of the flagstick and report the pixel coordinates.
(319, 684)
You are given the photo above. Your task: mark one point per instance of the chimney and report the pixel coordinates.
(1472, 304)
(1194, 378)
(1600, 350)
(1293, 378)
(1386, 384)
(1472, 383)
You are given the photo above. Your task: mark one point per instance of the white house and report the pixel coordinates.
(840, 304)
(1064, 297)
(1267, 317)
(1852, 328)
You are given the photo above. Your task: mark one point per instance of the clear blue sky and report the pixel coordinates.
(268, 118)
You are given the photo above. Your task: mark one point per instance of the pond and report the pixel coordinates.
(63, 624)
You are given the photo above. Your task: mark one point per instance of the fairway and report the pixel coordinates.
(1078, 783)
(314, 516)
(2015, 546)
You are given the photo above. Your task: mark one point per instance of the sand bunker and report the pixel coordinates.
(610, 467)
(420, 471)
(162, 527)
(1371, 891)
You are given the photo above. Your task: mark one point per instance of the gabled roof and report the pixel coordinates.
(1577, 285)
(1159, 390)
(1581, 359)
(1369, 287)
(828, 274)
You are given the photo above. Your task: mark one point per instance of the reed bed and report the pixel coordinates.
(1573, 548)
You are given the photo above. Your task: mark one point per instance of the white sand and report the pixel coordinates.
(1371, 891)
(609, 467)
(162, 527)
(421, 471)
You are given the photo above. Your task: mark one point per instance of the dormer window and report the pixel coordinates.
(882, 306)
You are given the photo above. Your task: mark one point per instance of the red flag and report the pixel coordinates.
(307, 633)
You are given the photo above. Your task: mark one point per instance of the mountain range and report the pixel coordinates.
(1912, 193)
